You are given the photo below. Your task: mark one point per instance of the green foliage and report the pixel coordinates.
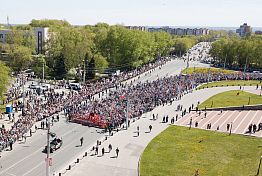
(182, 45)
(20, 57)
(4, 78)
(238, 51)
(49, 23)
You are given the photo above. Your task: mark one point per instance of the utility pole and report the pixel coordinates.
(23, 110)
(225, 62)
(48, 149)
(208, 75)
(84, 76)
(127, 113)
(245, 69)
(43, 68)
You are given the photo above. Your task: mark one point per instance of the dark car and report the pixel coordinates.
(54, 145)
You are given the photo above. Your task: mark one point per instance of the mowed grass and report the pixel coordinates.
(178, 151)
(192, 70)
(230, 83)
(230, 98)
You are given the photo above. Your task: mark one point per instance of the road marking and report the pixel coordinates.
(56, 153)
(250, 122)
(209, 119)
(241, 122)
(31, 154)
(219, 118)
(227, 118)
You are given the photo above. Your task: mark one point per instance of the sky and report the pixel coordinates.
(210, 13)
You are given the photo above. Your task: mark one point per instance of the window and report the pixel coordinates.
(1, 36)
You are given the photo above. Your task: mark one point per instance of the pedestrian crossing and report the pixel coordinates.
(240, 121)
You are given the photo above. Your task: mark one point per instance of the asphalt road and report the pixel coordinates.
(27, 159)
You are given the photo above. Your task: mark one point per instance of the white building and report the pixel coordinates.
(41, 36)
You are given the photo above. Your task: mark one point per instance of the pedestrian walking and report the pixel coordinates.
(103, 151)
(96, 152)
(11, 145)
(117, 152)
(150, 128)
(81, 141)
(109, 147)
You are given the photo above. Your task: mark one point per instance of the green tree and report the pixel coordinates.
(20, 57)
(4, 78)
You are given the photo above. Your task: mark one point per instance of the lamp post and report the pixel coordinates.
(190, 123)
(43, 68)
(23, 110)
(231, 125)
(259, 165)
(48, 149)
(225, 62)
(84, 76)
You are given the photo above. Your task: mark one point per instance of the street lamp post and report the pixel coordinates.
(259, 165)
(43, 68)
(190, 123)
(23, 110)
(84, 76)
(48, 149)
(225, 62)
(245, 69)
(127, 104)
(231, 125)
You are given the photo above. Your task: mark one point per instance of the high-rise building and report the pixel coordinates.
(244, 30)
(41, 36)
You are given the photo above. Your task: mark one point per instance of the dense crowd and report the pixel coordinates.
(144, 97)
(38, 109)
(114, 97)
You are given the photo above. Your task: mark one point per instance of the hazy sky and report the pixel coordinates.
(137, 12)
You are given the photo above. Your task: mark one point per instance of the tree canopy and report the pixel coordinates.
(237, 52)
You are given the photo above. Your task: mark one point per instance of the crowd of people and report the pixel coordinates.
(116, 99)
(39, 108)
(144, 97)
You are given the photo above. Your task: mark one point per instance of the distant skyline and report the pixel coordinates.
(222, 13)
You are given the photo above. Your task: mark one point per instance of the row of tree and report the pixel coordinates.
(238, 53)
(98, 48)
(109, 47)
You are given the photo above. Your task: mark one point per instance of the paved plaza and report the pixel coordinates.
(240, 121)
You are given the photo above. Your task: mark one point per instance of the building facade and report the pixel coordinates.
(181, 31)
(244, 30)
(41, 36)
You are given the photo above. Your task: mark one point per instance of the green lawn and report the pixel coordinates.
(179, 151)
(191, 70)
(230, 98)
(230, 83)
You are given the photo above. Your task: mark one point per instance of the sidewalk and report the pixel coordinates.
(8, 123)
(130, 146)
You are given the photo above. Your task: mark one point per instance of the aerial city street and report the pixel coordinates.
(118, 92)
